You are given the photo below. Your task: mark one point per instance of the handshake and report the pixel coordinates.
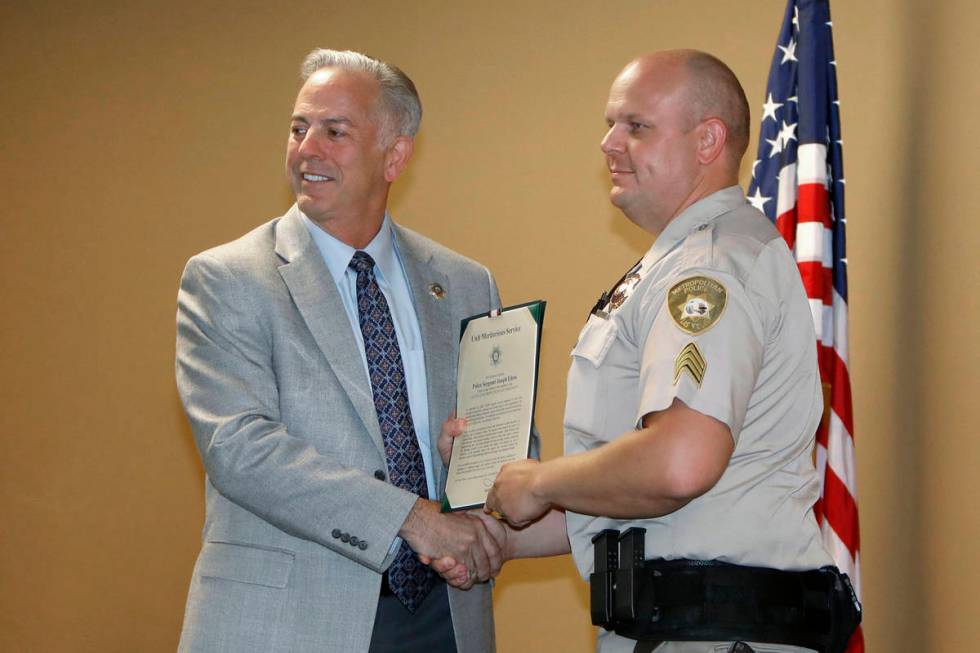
(462, 547)
(469, 547)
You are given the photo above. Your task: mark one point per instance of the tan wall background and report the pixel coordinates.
(135, 134)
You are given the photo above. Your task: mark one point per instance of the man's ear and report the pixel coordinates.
(712, 138)
(397, 156)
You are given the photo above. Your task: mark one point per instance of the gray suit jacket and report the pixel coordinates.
(284, 420)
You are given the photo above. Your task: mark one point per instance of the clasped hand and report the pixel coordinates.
(511, 498)
(464, 548)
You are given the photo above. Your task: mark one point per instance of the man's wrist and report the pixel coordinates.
(415, 520)
(509, 548)
(541, 484)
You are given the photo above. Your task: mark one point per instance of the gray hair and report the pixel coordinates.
(400, 103)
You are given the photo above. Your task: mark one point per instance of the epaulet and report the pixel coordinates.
(696, 250)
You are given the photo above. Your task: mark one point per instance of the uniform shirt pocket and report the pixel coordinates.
(595, 340)
(586, 402)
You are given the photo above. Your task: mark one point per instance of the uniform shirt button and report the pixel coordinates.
(335, 532)
(353, 540)
(345, 538)
(379, 474)
(362, 545)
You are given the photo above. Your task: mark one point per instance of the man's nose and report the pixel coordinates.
(311, 146)
(612, 141)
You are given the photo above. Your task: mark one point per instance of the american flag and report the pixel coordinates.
(798, 181)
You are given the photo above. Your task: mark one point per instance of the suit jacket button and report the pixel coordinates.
(335, 532)
(345, 538)
(362, 545)
(353, 540)
(378, 474)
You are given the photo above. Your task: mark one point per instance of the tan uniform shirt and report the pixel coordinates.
(714, 315)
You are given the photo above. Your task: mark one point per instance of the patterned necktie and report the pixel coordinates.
(409, 579)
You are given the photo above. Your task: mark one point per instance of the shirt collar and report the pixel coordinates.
(703, 211)
(337, 254)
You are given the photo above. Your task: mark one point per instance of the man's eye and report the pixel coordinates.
(335, 133)
(297, 130)
(636, 126)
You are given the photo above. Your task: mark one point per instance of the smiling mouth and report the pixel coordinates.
(307, 176)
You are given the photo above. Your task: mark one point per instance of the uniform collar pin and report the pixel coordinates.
(437, 290)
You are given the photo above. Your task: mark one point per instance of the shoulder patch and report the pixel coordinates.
(696, 303)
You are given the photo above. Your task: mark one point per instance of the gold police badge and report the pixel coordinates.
(696, 303)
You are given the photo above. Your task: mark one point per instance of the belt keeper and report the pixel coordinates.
(602, 580)
(626, 590)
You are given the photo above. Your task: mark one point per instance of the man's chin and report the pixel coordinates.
(629, 207)
(618, 198)
(310, 207)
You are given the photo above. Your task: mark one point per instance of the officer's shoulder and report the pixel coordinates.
(430, 250)
(747, 223)
(738, 239)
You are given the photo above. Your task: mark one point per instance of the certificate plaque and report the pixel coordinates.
(496, 386)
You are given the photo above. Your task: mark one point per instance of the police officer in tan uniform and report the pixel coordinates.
(694, 393)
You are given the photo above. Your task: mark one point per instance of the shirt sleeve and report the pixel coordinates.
(704, 346)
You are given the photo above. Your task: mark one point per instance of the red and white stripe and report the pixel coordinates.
(804, 218)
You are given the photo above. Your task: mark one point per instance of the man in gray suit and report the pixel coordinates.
(316, 359)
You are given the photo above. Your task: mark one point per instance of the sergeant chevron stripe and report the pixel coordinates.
(691, 361)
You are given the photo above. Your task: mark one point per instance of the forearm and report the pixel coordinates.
(678, 455)
(285, 481)
(609, 481)
(546, 537)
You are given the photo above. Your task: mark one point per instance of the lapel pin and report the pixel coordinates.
(437, 291)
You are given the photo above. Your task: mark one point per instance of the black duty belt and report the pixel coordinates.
(698, 600)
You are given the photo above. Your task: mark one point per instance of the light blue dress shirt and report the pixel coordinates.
(392, 280)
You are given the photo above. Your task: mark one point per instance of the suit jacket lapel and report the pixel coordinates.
(319, 303)
(438, 335)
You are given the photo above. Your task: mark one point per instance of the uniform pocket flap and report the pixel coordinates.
(595, 339)
(246, 563)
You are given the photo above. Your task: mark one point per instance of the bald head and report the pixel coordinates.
(712, 91)
(715, 91)
(678, 127)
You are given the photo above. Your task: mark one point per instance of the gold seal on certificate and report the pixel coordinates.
(496, 386)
